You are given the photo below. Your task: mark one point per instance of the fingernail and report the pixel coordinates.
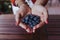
(33, 31)
(28, 30)
(46, 22)
(34, 28)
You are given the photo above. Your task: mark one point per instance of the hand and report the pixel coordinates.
(23, 10)
(26, 27)
(42, 12)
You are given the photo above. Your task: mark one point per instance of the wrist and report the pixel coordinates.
(21, 3)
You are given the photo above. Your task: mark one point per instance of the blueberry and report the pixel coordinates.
(26, 22)
(31, 16)
(35, 18)
(26, 18)
(33, 22)
(31, 25)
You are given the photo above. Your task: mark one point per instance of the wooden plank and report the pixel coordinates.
(16, 29)
(7, 26)
(54, 33)
(53, 37)
(16, 37)
(54, 16)
(54, 29)
(13, 32)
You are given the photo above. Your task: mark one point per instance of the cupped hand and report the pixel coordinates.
(23, 11)
(41, 11)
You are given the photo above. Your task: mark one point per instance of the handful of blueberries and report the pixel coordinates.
(31, 20)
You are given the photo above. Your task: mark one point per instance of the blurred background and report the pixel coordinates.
(9, 31)
(6, 8)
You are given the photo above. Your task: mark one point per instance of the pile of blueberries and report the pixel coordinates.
(31, 20)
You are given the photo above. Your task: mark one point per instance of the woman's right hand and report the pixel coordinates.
(23, 10)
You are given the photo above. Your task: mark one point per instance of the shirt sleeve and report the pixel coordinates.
(13, 2)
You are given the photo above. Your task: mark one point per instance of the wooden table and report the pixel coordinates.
(9, 31)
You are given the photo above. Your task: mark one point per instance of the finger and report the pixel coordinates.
(23, 25)
(33, 30)
(17, 19)
(34, 27)
(28, 29)
(45, 16)
(46, 21)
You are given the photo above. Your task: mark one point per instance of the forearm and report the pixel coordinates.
(20, 2)
(38, 2)
(41, 2)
